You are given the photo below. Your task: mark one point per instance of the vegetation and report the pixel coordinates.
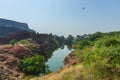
(69, 41)
(35, 65)
(100, 53)
(70, 73)
(13, 42)
(60, 40)
(101, 56)
(23, 42)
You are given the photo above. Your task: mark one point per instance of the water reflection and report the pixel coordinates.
(56, 61)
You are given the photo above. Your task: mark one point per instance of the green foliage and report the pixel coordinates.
(69, 40)
(100, 53)
(23, 42)
(32, 49)
(83, 43)
(104, 63)
(108, 41)
(101, 59)
(34, 65)
(13, 42)
(28, 77)
(96, 35)
(112, 42)
(60, 40)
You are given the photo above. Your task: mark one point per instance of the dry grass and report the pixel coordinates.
(70, 73)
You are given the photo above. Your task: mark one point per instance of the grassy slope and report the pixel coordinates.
(70, 73)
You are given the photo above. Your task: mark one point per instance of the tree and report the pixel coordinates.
(96, 35)
(34, 65)
(69, 40)
(13, 42)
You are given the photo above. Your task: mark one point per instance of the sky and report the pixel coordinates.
(64, 17)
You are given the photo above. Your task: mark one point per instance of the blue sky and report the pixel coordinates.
(63, 17)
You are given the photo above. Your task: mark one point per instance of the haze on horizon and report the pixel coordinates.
(64, 17)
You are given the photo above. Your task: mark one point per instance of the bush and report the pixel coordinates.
(34, 65)
(104, 63)
(83, 44)
(101, 54)
(23, 42)
(13, 42)
(112, 42)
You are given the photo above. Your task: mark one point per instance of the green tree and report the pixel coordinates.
(112, 42)
(13, 42)
(35, 65)
(96, 35)
(69, 40)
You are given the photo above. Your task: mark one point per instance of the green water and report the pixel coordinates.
(56, 61)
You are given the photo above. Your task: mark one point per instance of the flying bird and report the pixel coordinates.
(83, 8)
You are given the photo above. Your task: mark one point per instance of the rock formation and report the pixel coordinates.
(10, 61)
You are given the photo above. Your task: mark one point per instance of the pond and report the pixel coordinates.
(56, 61)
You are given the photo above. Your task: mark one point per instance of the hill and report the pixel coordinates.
(8, 27)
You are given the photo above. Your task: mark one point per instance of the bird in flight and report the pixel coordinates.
(83, 8)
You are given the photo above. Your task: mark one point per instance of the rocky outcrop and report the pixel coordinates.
(71, 59)
(10, 61)
(5, 74)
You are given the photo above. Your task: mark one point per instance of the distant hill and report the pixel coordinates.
(11, 27)
(4, 31)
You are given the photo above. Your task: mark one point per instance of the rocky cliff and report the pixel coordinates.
(71, 60)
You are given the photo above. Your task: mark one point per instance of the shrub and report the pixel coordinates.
(23, 42)
(34, 65)
(112, 42)
(13, 42)
(83, 44)
(104, 63)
